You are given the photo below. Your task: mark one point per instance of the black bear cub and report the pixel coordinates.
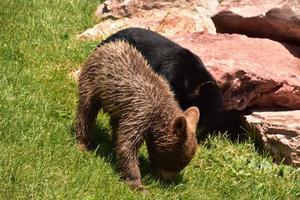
(141, 105)
(192, 84)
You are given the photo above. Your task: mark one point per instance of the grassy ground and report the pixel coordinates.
(38, 158)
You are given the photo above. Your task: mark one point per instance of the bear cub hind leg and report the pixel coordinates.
(87, 112)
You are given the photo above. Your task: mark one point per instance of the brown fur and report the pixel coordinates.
(142, 107)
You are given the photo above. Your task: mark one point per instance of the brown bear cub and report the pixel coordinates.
(141, 105)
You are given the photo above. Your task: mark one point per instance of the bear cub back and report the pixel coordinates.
(141, 106)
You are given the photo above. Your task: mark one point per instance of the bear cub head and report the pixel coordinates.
(170, 154)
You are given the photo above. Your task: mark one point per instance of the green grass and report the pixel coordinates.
(39, 158)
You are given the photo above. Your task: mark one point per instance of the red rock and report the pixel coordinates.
(166, 17)
(250, 71)
(279, 133)
(275, 19)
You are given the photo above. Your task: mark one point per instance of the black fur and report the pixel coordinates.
(192, 84)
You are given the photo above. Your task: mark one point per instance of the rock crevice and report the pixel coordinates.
(275, 19)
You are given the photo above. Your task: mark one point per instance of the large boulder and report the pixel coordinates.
(164, 16)
(275, 19)
(251, 72)
(279, 133)
(255, 73)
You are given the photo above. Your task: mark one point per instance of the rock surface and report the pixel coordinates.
(275, 19)
(279, 133)
(251, 72)
(165, 16)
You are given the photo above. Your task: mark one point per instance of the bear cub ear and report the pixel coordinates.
(180, 126)
(189, 120)
(192, 115)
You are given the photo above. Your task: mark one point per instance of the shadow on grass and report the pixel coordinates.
(102, 145)
(230, 125)
(101, 142)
